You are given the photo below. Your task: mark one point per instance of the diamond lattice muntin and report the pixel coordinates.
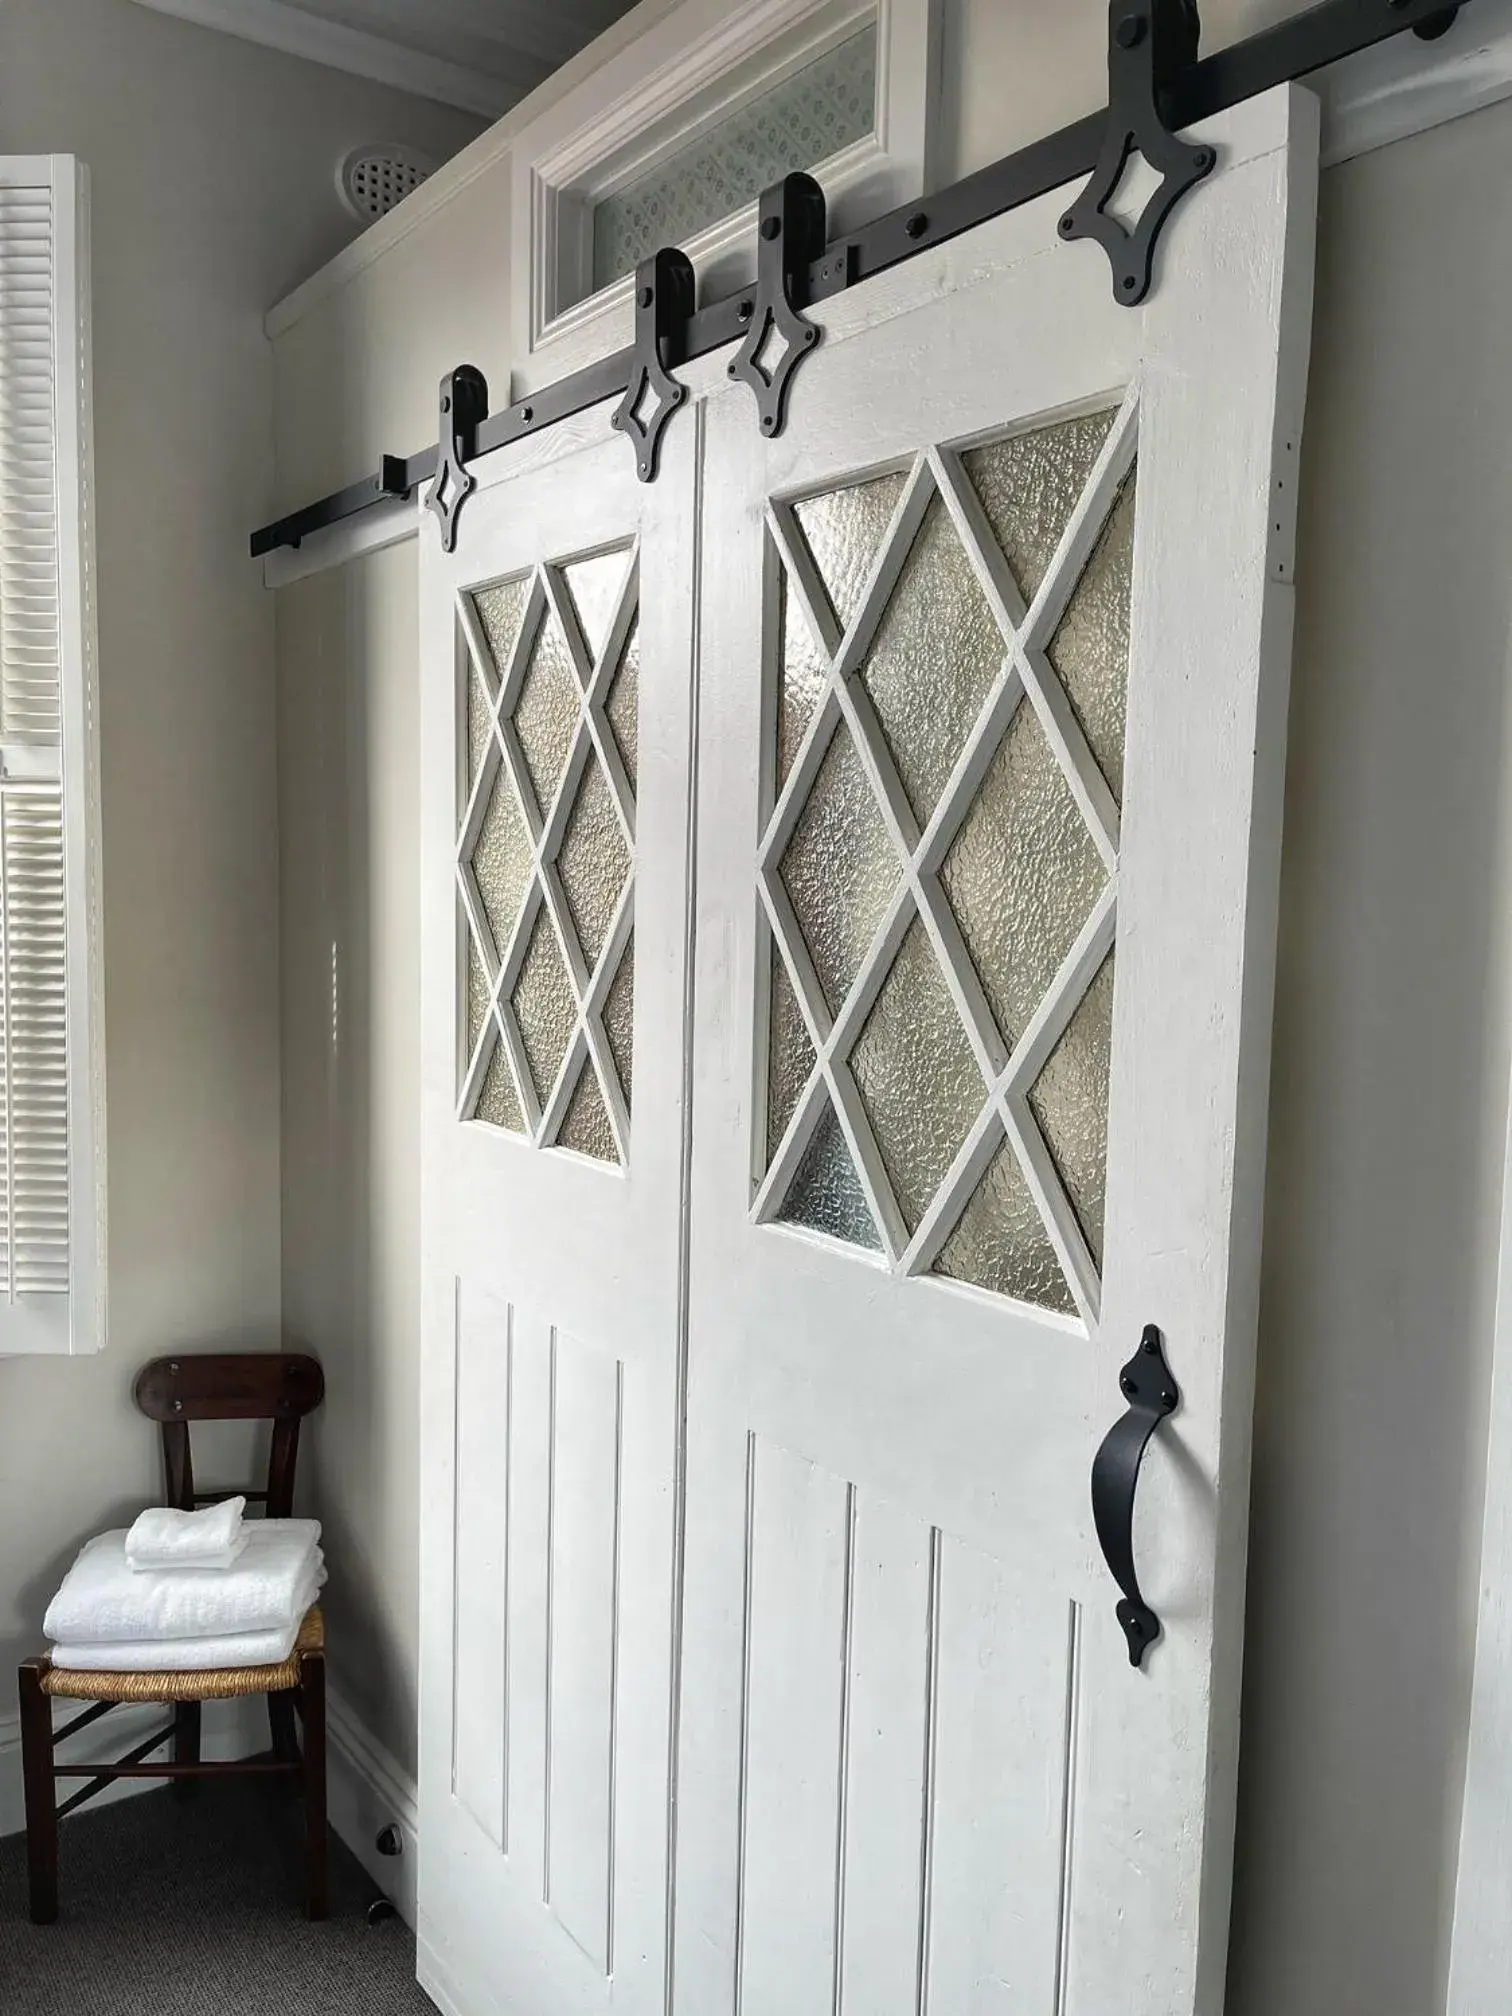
(948, 667)
(548, 665)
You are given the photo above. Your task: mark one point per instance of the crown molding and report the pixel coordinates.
(275, 25)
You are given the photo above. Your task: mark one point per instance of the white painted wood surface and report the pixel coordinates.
(894, 1600)
(1480, 1962)
(907, 1765)
(550, 1369)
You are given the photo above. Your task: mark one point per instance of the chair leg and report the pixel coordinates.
(186, 1745)
(282, 1726)
(41, 1793)
(313, 1691)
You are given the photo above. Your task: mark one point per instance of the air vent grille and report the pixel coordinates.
(373, 179)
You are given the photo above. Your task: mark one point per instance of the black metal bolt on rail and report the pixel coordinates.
(1158, 87)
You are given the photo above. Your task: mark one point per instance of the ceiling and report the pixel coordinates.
(481, 55)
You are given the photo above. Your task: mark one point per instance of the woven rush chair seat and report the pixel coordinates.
(213, 1684)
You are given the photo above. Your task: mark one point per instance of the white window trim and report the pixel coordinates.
(689, 71)
(1481, 1947)
(75, 1322)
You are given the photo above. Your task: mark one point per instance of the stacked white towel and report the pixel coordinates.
(110, 1617)
(211, 1538)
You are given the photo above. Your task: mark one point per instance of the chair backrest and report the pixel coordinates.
(277, 1386)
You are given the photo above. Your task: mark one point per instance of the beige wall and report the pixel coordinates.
(348, 845)
(213, 171)
(1393, 1017)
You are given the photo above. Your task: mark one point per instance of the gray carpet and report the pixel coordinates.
(192, 1908)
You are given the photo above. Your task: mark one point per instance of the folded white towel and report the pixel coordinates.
(192, 1655)
(165, 1538)
(103, 1601)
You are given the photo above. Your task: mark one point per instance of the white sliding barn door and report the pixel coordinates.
(770, 1665)
(555, 724)
(992, 697)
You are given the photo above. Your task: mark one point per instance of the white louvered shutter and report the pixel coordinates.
(52, 1223)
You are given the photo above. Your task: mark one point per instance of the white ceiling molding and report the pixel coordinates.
(277, 25)
(1404, 86)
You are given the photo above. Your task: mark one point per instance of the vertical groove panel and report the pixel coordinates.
(886, 1759)
(1069, 1794)
(842, 1822)
(927, 1801)
(481, 1545)
(583, 1632)
(741, 1807)
(1000, 1720)
(794, 1724)
(529, 1516)
(549, 1731)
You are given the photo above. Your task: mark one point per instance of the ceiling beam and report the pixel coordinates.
(275, 25)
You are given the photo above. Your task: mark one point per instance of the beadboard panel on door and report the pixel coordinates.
(539, 1423)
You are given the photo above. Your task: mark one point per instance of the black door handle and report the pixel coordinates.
(1152, 1393)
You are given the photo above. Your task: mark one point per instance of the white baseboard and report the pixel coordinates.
(229, 1729)
(367, 1789)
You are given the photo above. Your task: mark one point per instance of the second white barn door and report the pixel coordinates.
(993, 682)
(774, 1309)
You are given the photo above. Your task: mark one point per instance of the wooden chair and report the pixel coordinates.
(279, 1387)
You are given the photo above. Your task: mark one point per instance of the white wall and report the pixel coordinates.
(213, 166)
(1393, 1017)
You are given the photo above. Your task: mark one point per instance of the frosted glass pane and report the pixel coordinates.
(594, 586)
(826, 1193)
(1022, 874)
(501, 610)
(477, 998)
(623, 703)
(916, 1075)
(936, 652)
(790, 1055)
(825, 106)
(498, 1102)
(546, 713)
(843, 530)
(619, 1018)
(501, 861)
(1090, 650)
(585, 1126)
(478, 724)
(803, 671)
(1070, 1102)
(544, 1006)
(1030, 485)
(839, 868)
(594, 861)
(1001, 1242)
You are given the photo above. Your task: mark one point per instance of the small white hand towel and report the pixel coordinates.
(164, 1538)
(103, 1601)
(192, 1655)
